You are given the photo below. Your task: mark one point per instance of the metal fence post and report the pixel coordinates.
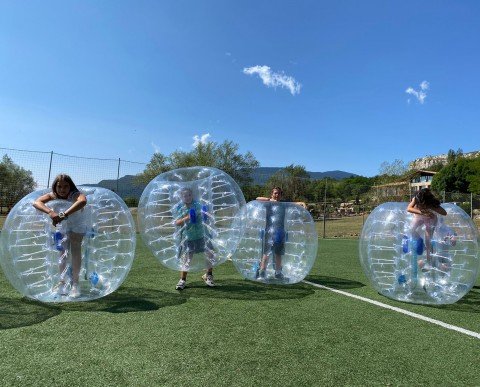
(325, 209)
(471, 205)
(50, 169)
(118, 173)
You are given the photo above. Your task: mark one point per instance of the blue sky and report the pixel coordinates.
(121, 79)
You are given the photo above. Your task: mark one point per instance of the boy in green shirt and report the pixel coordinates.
(188, 215)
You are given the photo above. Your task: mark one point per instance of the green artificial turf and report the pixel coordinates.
(238, 334)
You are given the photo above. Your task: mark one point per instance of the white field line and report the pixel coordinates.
(399, 310)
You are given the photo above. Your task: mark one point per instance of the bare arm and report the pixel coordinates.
(40, 204)
(303, 204)
(182, 221)
(79, 203)
(263, 199)
(412, 209)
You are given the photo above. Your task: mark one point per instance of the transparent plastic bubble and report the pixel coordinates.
(283, 235)
(186, 217)
(408, 262)
(33, 250)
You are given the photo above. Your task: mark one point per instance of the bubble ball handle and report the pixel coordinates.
(193, 216)
(58, 238)
(205, 213)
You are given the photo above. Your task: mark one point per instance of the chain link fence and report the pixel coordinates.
(42, 167)
(334, 219)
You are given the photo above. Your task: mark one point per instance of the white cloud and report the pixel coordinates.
(271, 79)
(156, 148)
(421, 94)
(203, 139)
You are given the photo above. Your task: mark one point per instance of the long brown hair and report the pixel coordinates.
(63, 177)
(425, 198)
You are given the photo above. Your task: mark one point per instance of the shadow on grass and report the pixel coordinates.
(247, 290)
(469, 303)
(126, 300)
(16, 313)
(334, 282)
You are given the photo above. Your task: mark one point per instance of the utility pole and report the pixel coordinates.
(325, 207)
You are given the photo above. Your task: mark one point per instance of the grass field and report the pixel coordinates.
(240, 333)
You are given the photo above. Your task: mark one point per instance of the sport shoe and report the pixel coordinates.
(427, 267)
(259, 274)
(180, 285)
(61, 289)
(279, 275)
(208, 278)
(75, 292)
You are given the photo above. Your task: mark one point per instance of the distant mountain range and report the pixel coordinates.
(128, 187)
(262, 174)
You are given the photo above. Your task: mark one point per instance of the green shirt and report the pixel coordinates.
(191, 231)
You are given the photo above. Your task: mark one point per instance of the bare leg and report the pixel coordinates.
(429, 229)
(264, 262)
(417, 222)
(186, 263)
(62, 260)
(278, 262)
(210, 260)
(76, 250)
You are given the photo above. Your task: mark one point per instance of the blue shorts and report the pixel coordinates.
(274, 242)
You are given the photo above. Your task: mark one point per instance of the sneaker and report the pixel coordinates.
(61, 289)
(426, 267)
(180, 285)
(279, 275)
(75, 292)
(260, 274)
(208, 278)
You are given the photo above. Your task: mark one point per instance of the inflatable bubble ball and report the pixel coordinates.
(279, 245)
(407, 262)
(38, 259)
(186, 217)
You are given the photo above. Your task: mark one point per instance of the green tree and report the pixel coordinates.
(461, 175)
(223, 156)
(437, 167)
(131, 201)
(157, 165)
(294, 181)
(15, 182)
(354, 187)
(253, 191)
(453, 156)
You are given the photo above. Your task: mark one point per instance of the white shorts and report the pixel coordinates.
(77, 223)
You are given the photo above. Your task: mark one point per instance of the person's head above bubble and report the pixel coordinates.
(68, 244)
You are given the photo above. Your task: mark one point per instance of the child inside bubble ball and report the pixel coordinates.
(274, 240)
(64, 188)
(188, 216)
(425, 207)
